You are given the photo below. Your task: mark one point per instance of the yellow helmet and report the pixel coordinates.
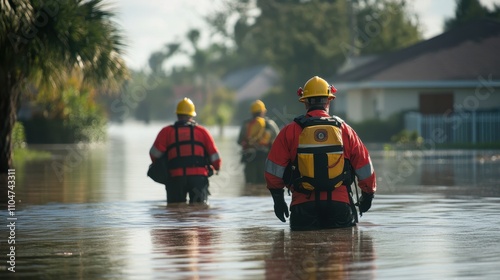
(186, 107)
(257, 106)
(316, 86)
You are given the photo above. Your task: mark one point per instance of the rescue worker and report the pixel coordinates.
(317, 156)
(191, 155)
(256, 137)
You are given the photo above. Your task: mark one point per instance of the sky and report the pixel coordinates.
(150, 24)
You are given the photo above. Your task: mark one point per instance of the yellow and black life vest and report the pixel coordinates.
(320, 154)
(257, 133)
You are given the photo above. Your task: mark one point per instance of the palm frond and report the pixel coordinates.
(57, 38)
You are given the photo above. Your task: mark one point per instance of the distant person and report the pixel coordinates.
(191, 155)
(256, 137)
(317, 156)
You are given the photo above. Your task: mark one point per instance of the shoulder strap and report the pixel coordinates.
(300, 120)
(178, 147)
(304, 121)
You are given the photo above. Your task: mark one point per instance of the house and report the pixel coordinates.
(251, 83)
(454, 77)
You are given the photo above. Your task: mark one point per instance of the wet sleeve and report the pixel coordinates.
(213, 152)
(360, 160)
(277, 160)
(241, 136)
(273, 128)
(159, 145)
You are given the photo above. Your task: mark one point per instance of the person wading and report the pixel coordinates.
(317, 156)
(191, 155)
(256, 137)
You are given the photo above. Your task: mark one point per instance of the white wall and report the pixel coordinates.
(354, 104)
(476, 99)
(397, 100)
(375, 103)
(364, 104)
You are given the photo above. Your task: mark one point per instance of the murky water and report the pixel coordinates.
(91, 213)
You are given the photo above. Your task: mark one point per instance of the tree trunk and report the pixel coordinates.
(8, 108)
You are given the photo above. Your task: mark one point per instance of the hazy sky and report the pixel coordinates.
(150, 24)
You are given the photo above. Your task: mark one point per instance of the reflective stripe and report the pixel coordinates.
(315, 145)
(365, 171)
(214, 157)
(155, 152)
(274, 169)
(330, 153)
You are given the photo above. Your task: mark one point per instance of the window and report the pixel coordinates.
(436, 103)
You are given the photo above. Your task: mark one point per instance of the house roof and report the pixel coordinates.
(251, 83)
(461, 55)
(238, 79)
(354, 62)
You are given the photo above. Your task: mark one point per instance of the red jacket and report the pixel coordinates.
(186, 152)
(284, 151)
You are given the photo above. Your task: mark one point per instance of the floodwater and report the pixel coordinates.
(90, 212)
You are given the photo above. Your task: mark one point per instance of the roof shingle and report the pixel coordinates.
(463, 53)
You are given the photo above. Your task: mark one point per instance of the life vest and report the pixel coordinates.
(187, 158)
(257, 133)
(320, 154)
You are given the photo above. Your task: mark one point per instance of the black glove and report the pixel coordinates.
(365, 202)
(280, 206)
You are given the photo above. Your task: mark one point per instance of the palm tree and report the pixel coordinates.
(41, 42)
(156, 59)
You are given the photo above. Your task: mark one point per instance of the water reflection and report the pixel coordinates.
(185, 251)
(91, 213)
(67, 241)
(454, 172)
(346, 253)
(71, 175)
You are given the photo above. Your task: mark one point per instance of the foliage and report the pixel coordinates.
(467, 10)
(300, 39)
(200, 81)
(239, 49)
(71, 116)
(384, 26)
(18, 136)
(22, 155)
(21, 152)
(221, 110)
(42, 41)
(147, 96)
(407, 139)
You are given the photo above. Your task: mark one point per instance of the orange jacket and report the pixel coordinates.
(186, 150)
(284, 151)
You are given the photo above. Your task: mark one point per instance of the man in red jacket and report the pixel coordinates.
(191, 155)
(317, 157)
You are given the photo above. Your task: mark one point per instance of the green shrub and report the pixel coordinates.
(379, 130)
(18, 136)
(20, 152)
(74, 117)
(407, 139)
